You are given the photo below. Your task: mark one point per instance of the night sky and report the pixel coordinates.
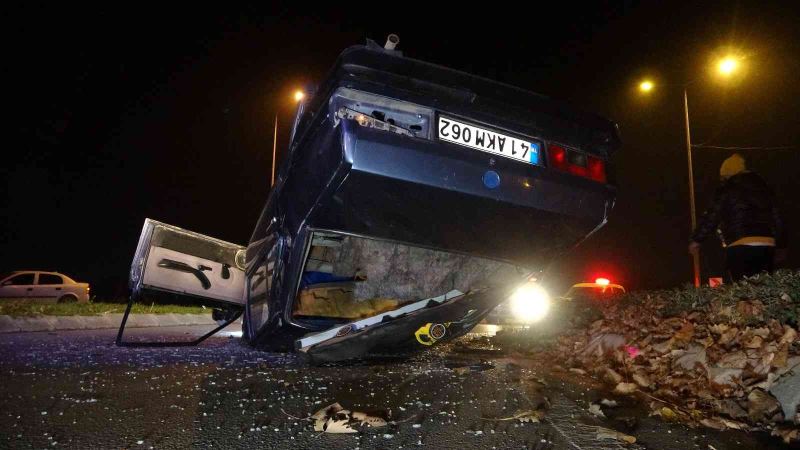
(117, 115)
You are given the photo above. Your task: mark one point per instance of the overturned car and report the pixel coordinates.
(413, 200)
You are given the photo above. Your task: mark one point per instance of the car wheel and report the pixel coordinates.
(67, 299)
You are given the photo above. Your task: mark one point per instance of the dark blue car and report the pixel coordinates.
(413, 200)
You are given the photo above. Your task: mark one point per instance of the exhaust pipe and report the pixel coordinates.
(391, 42)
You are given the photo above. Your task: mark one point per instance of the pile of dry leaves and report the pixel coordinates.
(720, 358)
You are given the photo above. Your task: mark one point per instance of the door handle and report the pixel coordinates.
(226, 271)
(183, 267)
(29, 289)
(58, 289)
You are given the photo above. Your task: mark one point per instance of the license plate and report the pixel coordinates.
(478, 138)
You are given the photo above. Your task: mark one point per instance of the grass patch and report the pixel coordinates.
(22, 308)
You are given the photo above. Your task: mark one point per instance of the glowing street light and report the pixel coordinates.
(727, 66)
(299, 95)
(646, 86)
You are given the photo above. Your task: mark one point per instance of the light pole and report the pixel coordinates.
(692, 207)
(726, 67)
(298, 97)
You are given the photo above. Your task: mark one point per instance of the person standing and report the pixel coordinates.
(744, 213)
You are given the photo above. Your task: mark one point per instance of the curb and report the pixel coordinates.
(10, 324)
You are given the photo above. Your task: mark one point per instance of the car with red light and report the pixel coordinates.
(602, 290)
(413, 199)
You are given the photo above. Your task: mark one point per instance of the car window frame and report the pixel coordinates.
(41, 274)
(31, 274)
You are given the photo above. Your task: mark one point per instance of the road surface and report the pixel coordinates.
(76, 389)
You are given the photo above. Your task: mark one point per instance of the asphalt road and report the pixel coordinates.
(77, 390)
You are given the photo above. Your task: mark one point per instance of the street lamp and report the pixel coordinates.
(726, 67)
(298, 97)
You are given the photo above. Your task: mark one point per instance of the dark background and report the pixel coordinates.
(117, 115)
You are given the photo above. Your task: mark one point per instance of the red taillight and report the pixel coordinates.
(577, 163)
(597, 169)
(558, 158)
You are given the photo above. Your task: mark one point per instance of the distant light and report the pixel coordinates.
(646, 86)
(602, 281)
(299, 95)
(727, 65)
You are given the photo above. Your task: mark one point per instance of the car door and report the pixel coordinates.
(260, 286)
(49, 286)
(18, 285)
(188, 264)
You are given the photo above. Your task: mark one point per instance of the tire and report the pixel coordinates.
(69, 298)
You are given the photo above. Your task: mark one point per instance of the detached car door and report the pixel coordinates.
(173, 260)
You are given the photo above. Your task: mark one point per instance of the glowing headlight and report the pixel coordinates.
(530, 303)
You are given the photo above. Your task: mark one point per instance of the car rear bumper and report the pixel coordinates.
(432, 194)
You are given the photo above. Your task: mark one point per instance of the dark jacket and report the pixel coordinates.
(743, 206)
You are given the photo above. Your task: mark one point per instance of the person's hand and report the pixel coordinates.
(694, 247)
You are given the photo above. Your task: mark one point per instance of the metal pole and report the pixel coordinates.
(275, 149)
(695, 255)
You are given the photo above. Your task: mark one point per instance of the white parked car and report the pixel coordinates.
(49, 286)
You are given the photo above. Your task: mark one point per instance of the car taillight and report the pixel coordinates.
(577, 163)
(597, 169)
(558, 158)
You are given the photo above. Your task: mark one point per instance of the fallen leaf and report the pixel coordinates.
(724, 376)
(641, 379)
(605, 433)
(789, 335)
(688, 359)
(715, 423)
(719, 328)
(595, 410)
(625, 388)
(730, 408)
(604, 343)
(612, 377)
(686, 333)
(335, 419)
(761, 405)
(787, 434)
(728, 336)
(734, 360)
(665, 346)
(755, 342)
(529, 416)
